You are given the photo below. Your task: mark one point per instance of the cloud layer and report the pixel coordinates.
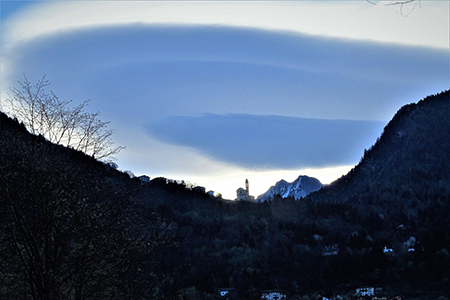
(270, 142)
(188, 70)
(162, 78)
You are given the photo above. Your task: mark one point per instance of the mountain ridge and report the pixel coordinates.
(299, 188)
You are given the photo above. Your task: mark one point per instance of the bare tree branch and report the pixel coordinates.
(45, 114)
(401, 4)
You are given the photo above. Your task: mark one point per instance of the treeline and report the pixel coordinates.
(304, 248)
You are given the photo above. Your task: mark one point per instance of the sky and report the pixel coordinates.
(216, 92)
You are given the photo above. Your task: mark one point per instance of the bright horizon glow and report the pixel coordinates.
(426, 27)
(261, 181)
(220, 177)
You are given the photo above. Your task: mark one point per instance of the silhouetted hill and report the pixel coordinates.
(404, 179)
(410, 159)
(72, 227)
(400, 192)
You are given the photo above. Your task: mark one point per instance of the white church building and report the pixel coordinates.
(244, 194)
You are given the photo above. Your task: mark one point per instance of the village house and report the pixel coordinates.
(388, 251)
(225, 292)
(273, 295)
(365, 291)
(397, 297)
(368, 292)
(330, 250)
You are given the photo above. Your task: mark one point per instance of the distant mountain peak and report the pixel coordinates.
(297, 189)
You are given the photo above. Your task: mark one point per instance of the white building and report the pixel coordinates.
(365, 291)
(244, 194)
(273, 295)
(225, 291)
(387, 250)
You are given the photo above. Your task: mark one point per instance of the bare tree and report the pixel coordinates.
(70, 230)
(45, 114)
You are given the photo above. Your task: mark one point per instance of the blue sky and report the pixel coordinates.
(216, 92)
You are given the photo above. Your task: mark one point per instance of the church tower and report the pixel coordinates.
(247, 187)
(243, 194)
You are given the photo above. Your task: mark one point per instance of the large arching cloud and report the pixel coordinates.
(184, 70)
(140, 75)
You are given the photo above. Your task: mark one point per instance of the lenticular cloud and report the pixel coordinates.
(270, 142)
(141, 76)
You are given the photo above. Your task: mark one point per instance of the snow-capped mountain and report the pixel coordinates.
(301, 187)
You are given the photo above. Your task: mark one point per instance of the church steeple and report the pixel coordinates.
(247, 187)
(243, 194)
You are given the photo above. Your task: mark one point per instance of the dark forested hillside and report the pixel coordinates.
(411, 158)
(75, 228)
(70, 226)
(404, 179)
(400, 191)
